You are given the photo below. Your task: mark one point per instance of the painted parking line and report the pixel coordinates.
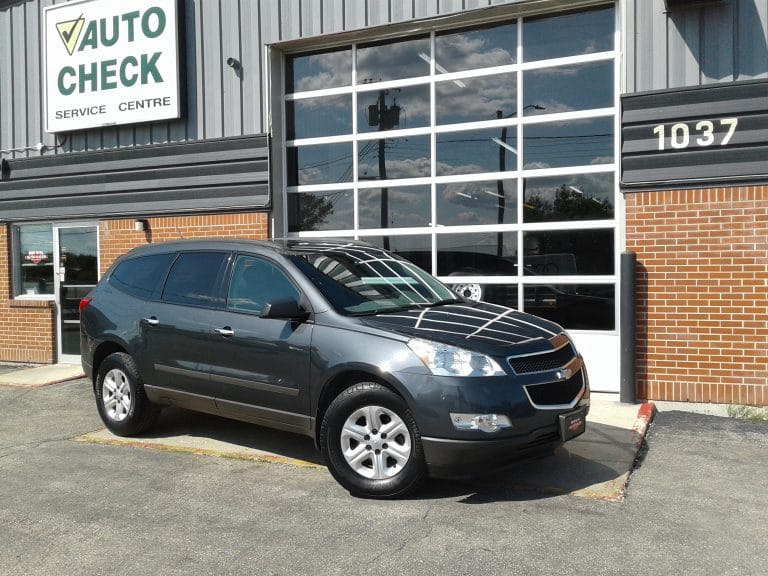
(196, 445)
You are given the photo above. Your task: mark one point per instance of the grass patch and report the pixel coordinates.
(748, 412)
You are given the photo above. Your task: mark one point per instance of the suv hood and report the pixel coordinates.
(486, 328)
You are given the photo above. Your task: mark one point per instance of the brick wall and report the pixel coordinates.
(702, 279)
(116, 237)
(27, 327)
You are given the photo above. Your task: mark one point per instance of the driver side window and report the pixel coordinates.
(255, 282)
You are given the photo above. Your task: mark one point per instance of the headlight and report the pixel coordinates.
(444, 360)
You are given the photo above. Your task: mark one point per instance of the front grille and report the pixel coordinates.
(560, 393)
(541, 362)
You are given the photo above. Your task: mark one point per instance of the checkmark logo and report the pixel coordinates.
(69, 32)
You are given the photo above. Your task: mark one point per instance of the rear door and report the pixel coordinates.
(260, 365)
(177, 328)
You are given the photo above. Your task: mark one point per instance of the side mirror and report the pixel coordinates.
(284, 309)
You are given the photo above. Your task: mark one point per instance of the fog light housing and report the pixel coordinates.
(484, 422)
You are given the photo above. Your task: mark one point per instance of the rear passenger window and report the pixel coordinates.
(141, 276)
(193, 279)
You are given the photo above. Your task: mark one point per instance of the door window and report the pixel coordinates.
(193, 279)
(255, 282)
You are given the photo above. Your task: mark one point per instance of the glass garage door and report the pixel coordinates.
(486, 155)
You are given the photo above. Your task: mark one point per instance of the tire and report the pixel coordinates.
(120, 397)
(371, 443)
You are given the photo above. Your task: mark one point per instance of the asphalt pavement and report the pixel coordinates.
(695, 504)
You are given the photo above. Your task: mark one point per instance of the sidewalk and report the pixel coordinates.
(24, 376)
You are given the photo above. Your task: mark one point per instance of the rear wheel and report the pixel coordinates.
(371, 442)
(120, 397)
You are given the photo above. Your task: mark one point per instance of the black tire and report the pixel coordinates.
(123, 406)
(390, 473)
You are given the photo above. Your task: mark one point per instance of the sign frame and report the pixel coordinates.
(126, 105)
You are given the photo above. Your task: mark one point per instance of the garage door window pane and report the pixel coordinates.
(479, 254)
(404, 206)
(572, 143)
(572, 34)
(574, 307)
(568, 88)
(476, 99)
(472, 49)
(321, 164)
(569, 252)
(406, 107)
(319, 71)
(568, 198)
(393, 61)
(485, 202)
(476, 151)
(405, 246)
(334, 210)
(391, 158)
(315, 117)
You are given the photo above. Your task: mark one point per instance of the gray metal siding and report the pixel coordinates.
(715, 43)
(230, 173)
(719, 42)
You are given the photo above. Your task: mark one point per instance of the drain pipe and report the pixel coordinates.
(627, 327)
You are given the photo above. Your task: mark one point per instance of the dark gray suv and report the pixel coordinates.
(393, 375)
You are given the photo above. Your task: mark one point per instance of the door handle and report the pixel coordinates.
(152, 321)
(226, 331)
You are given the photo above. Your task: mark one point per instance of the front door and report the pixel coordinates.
(76, 272)
(261, 366)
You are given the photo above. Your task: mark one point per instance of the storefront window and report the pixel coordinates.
(33, 260)
(486, 155)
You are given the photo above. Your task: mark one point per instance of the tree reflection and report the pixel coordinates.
(569, 203)
(308, 212)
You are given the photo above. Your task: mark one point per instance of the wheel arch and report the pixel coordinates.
(340, 382)
(101, 352)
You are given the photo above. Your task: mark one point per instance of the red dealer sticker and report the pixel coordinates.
(36, 256)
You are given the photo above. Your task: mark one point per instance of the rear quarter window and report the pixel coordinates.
(141, 276)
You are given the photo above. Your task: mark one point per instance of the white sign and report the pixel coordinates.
(109, 62)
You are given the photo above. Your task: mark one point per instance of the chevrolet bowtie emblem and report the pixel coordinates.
(564, 374)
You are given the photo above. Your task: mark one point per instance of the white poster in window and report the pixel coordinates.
(109, 63)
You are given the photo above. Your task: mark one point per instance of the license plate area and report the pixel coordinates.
(573, 424)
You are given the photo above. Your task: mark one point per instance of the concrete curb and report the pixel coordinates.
(42, 384)
(645, 416)
(40, 376)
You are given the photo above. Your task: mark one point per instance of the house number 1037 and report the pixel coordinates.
(704, 134)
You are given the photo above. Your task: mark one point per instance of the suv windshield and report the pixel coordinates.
(361, 280)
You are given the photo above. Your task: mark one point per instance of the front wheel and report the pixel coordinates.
(120, 397)
(371, 443)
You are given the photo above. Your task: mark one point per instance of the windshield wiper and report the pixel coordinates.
(441, 303)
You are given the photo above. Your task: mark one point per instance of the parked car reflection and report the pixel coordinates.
(574, 306)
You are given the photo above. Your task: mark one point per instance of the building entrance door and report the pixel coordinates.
(76, 271)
